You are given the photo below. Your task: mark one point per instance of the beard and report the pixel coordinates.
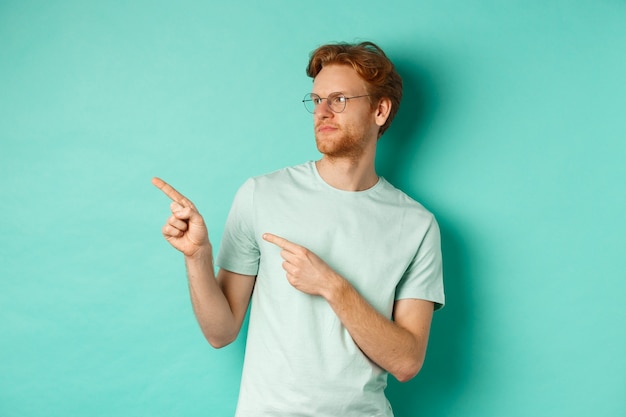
(343, 143)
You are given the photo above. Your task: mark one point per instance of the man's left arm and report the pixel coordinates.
(398, 345)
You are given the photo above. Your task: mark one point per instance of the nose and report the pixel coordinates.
(323, 110)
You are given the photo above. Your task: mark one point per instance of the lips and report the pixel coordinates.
(325, 128)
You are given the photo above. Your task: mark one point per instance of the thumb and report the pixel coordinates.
(194, 218)
(182, 213)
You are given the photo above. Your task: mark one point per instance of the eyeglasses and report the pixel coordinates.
(335, 101)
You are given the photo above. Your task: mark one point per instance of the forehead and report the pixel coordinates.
(338, 78)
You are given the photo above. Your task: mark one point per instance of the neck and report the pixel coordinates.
(348, 174)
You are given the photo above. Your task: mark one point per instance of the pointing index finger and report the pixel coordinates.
(170, 191)
(279, 241)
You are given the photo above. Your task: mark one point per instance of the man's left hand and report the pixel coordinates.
(305, 270)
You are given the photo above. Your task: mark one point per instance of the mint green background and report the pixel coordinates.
(513, 131)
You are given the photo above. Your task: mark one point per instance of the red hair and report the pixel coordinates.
(372, 65)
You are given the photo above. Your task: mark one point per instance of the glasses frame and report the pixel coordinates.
(317, 100)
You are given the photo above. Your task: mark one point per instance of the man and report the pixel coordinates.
(343, 269)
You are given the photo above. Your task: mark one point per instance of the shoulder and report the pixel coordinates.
(287, 172)
(284, 180)
(283, 176)
(399, 200)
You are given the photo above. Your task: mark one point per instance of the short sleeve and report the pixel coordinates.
(239, 250)
(423, 279)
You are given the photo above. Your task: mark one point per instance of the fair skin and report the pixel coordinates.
(347, 142)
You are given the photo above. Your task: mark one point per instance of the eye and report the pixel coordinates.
(337, 98)
(313, 98)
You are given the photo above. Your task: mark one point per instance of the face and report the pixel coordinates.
(351, 133)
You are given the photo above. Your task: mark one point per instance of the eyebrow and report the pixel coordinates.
(334, 92)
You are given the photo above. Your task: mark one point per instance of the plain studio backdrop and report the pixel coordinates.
(512, 131)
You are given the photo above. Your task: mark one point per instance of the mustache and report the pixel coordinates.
(321, 124)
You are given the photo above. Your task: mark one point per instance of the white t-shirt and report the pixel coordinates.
(300, 360)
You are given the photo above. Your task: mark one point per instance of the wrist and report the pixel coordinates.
(202, 253)
(337, 289)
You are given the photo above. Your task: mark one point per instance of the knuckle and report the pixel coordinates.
(171, 231)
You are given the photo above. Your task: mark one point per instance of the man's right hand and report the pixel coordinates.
(185, 230)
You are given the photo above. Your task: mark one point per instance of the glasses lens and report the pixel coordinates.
(337, 102)
(310, 100)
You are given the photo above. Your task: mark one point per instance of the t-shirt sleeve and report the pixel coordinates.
(423, 278)
(239, 250)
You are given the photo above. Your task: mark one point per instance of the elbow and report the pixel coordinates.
(218, 342)
(408, 371)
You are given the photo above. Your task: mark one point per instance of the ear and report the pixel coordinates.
(382, 111)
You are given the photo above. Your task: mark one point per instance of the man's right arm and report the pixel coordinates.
(219, 304)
